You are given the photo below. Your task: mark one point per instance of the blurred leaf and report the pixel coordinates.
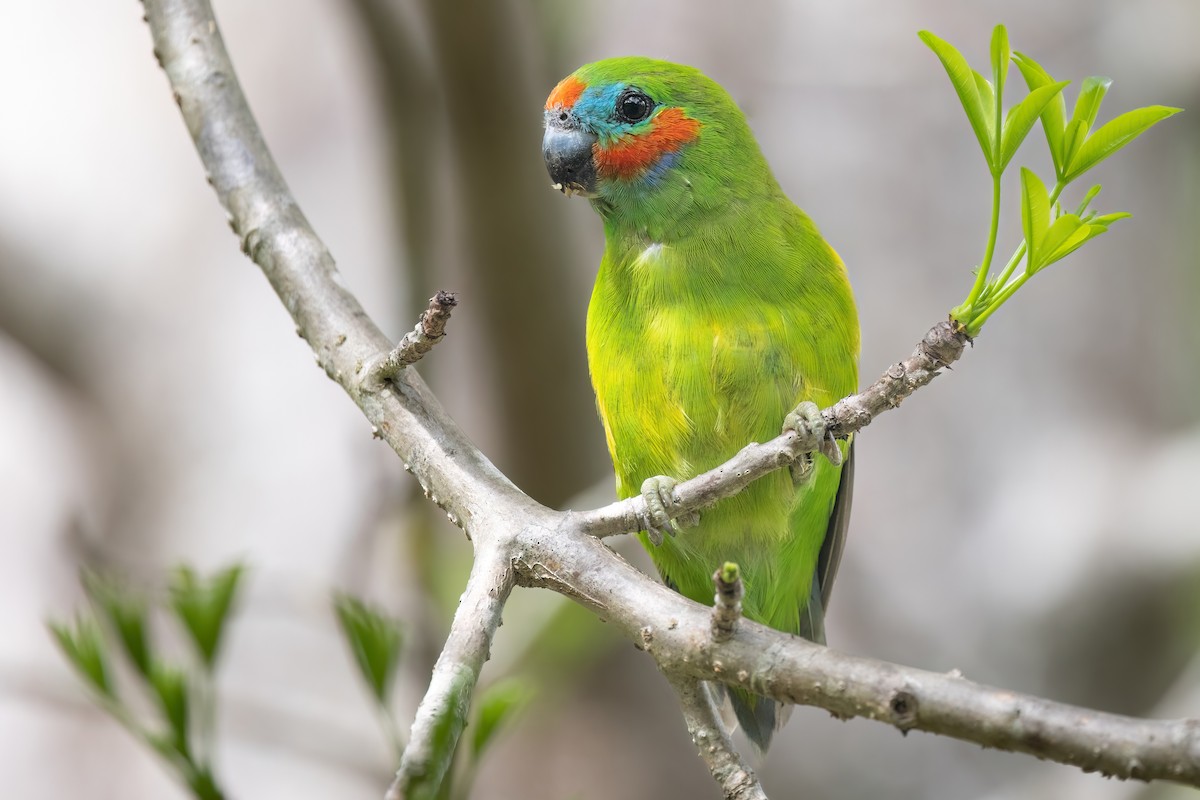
(1087, 200)
(1035, 215)
(203, 605)
(1054, 113)
(84, 647)
(497, 705)
(1001, 54)
(1114, 135)
(964, 80)
(127, 612)
(1021, 117)
(204, 785)
(374, 638)
(164, 744)
(171, 689)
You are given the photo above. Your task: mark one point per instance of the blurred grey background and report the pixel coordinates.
(1031, 519)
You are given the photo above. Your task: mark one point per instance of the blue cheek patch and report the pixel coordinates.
(594, 109)
(660, 168)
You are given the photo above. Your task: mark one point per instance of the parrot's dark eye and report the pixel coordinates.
(633, 106)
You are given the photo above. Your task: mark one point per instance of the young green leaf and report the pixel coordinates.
(375, 640)
(127, 613)
(497, 705)
(1091, 94)
(84, 647)
(1035, 216)
(1087, 200)
(203, 605)
(1073, 138)
(1022, 116)
(987, 101)
(1104, 220)
(1067, 233)
(1054, 113)
(963, 78)
(1094, 229)
(1001, 55)
(171, 690)
(1114, 135)
(1075, 241)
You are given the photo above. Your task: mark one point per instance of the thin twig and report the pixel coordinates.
(442, 714)
(430, 329)
(727, 603)
(736, 779)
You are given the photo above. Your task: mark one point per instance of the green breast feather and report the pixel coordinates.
(703, 345)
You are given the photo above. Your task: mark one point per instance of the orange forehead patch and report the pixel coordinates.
(566, 93)
(632, 154)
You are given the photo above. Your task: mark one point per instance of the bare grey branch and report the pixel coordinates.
(737, 781)
(677, 633)
(442, 714)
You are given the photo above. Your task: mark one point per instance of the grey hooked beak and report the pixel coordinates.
(568, 155)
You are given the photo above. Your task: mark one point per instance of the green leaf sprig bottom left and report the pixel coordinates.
(181, 726)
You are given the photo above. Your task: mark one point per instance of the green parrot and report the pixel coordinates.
(718, 309)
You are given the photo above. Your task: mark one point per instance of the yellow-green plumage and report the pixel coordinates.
(717, 309)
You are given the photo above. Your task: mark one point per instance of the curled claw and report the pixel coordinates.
(658, 493)
(829, 448)
(809, 425)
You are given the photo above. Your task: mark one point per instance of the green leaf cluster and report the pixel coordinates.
(83, 644)
(498, 704)
(1049, 238)
(118, 623)
(181, 723)
(202, 606)
(1075, 144)
(376, 642)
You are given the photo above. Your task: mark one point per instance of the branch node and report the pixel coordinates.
(647, 637)
(904, 707)
(429, 330)
(727, 604)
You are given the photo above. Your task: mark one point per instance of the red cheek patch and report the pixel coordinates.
(631, 155)
(566, 93)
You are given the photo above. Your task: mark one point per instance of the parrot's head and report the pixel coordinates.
(635, 132)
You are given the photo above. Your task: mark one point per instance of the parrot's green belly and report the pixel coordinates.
(683, 384)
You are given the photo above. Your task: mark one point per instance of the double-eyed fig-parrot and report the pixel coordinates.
(718, 309)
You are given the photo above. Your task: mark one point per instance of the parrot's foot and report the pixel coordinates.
(659, 495)
(808, 424)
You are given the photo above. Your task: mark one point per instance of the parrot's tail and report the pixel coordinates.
(759, 717)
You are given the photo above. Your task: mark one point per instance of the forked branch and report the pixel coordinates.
(519, 541)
